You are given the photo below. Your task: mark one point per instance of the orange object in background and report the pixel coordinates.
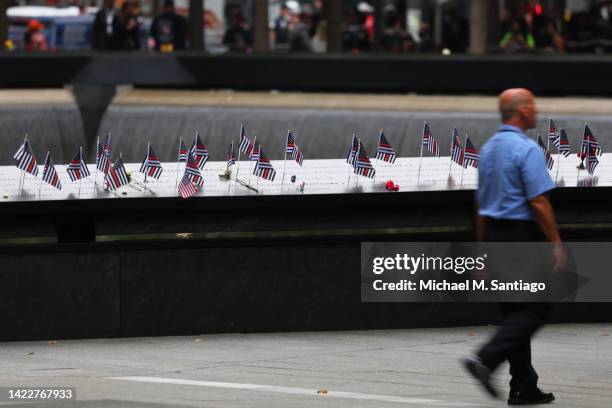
(34, 39)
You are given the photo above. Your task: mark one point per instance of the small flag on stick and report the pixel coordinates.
(429, 142)
(562, 143)
(456, 149)
(182, 155)
(470, 156)
(77, 168)
(549, 160)
(26, 160)
(199, 151)
(231, 156)
(49, 174)
(246, 145)
(264, 168)
(117, 176)
(384, 151)
(186, 187)
(363, 165)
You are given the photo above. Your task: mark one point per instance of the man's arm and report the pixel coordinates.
(543, 212)
(544, 215)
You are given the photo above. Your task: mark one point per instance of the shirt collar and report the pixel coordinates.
(510, 128)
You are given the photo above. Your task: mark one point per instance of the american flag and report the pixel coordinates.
(290, 143)
(192, 171)
(470, 156)
(151, 166)
(49, 174)
(264, 168)
(562, 143)
(103, 154)
(77, 168)
(429, 141)
(245, 146)
(549, 160)
(199, 151)
(182, 154)
(297, 155)
(25, 159)
(552, 130)
(456, 148)
(592, 163)
(384, 151)
(362, 165)
(589, 144)
(104, 162)
(231, 156)
(255, 151)
(116, 176)
(350, 158)
(186, 187)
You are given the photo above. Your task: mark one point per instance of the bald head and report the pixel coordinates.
(517, 108)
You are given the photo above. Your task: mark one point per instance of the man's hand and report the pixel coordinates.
(559, 256)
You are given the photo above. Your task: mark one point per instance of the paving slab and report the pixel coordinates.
(389, 368)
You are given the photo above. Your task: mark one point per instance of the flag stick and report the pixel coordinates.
(238, 164)
(227, 166)
(421, 156)
(178, 162)
(463, 158)
(356, 162)
(285, 156)
(548, 135)
(251, 170)
(376, 164)
(21, 182)
(41, 179)
(450, 162)
(558, 164)
(348, 180)
(97, 158)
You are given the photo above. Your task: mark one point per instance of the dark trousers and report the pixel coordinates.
(512, 341)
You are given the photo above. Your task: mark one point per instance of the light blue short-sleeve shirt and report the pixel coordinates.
(512, 171)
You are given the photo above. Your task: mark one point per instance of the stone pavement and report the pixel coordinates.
(389, 368)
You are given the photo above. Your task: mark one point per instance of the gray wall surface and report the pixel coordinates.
(321, 134)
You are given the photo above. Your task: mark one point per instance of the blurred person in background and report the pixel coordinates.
(34, 39)
(281, 27)
(395, 38)
(237, 37)
(319, 40)
(315, 16)
(299, 39)
(581, 32)
(552, 41)
(426, 43)
(355, 36)
(127, 26)
(514, 40)
(103, 27)
(169, 30)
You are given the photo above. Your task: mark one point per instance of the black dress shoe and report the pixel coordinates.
(480, 372)
(530, 397)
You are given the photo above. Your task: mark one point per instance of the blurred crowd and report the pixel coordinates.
(298, 26)
(120, 29)
(535, 29)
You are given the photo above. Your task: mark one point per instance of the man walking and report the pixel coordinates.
(103, 31)
(512, 206)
